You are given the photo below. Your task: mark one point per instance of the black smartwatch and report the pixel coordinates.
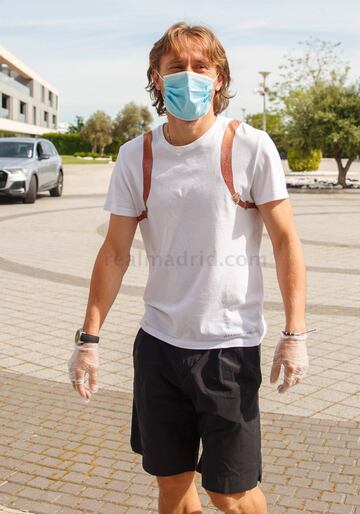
(82, 338)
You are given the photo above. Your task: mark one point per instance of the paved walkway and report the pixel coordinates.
(59, 455)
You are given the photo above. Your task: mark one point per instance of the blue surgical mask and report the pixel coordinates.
(187, 95)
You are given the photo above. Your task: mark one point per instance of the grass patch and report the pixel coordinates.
(70, 159)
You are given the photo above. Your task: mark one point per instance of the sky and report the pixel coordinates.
(96, 52)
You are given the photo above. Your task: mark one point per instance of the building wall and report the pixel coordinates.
(28, 104)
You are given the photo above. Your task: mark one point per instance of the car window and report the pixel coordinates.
(39, 149)
(16, 149)
(47, 148)
(55, 152)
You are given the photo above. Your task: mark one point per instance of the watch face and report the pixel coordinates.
(77, 335)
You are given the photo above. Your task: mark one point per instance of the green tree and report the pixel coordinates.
(326, 116)
(275, 127)
(76, 127)
(98, 131)
(318, 62)
(132, 121)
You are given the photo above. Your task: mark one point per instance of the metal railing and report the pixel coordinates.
(4, 113)
(15, 84)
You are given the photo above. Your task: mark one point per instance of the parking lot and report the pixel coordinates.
(59, 455)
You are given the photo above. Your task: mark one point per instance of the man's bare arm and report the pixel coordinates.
(289, 258)
(110, 266)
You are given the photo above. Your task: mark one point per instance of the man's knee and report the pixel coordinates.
(228, 503)
(176, 483)
(247, 502)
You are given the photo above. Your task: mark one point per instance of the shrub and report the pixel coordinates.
(81, 154)
(92, 154)
(7, 133)
(304, 161)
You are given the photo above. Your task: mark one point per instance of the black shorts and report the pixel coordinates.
(184, 395)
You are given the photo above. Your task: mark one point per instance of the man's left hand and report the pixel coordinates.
(291, 352)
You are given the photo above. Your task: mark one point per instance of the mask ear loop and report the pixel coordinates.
(162, 96)
(162, 78)
(217, 90)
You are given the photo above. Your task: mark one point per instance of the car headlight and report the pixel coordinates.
(14, 170)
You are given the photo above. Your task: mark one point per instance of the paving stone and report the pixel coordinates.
(6, 499)
(115, 497)
(23, 504)
(336, 508)
(347, 488)
(352, 499)
(110, 508)
(316, 506)
(10, 488)
(67, 499)
(289, 501)
(341, 478)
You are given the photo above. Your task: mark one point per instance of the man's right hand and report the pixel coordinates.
(83, 365)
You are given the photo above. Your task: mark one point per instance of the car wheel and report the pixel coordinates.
(58, 189)
(30, 196)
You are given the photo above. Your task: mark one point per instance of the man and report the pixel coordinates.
(200, 186)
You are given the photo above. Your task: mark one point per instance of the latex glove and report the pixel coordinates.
(83, 369)
(291, 352)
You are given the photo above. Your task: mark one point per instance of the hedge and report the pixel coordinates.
(68, 144)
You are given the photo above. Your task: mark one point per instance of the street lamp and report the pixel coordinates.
(263, 91)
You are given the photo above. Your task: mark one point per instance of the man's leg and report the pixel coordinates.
(252, 501)
(178, 494)
(164, 424)
(229, 427)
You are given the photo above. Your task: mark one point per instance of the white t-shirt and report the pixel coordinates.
(205, 284)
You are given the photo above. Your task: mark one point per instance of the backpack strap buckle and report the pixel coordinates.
(245, 204)
(226, 164)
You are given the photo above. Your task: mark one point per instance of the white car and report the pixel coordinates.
(29, 165)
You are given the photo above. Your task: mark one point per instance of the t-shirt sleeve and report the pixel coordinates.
(119, 198)
(269, 178)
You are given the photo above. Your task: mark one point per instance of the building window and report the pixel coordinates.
(54, 120)
(5, 106)
(43, 94)
(46, 119)
(22, 112)
(34, 115)
(50, 98)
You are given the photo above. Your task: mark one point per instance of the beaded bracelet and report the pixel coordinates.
(300, 335)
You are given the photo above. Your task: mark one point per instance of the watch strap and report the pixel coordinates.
(82, 337)
(89, 338)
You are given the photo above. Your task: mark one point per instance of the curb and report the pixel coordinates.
(322, 190)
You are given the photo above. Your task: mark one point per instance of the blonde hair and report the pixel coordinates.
(176, 38)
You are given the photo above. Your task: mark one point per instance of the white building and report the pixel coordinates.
(29, 104)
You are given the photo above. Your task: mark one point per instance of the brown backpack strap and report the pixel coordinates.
(226, 164)
(147, 168)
